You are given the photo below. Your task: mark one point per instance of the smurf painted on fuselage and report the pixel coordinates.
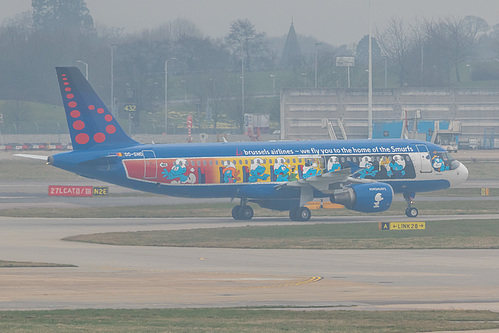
(310, 170)
(396, 167)
(438, 164)
(367, 166)
(333, 164)
(257, 171)
(179, 173)
(230, 173)
(281, 170)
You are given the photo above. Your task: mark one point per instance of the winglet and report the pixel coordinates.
(91, 125)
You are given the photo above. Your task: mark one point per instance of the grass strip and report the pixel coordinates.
(5, 263)
(244, 320)
(451, 207)
(452, 234)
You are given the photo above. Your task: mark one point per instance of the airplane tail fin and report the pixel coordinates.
(91, 125)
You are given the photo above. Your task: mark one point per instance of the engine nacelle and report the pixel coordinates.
(367, 198)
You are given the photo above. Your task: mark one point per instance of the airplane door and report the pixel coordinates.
(424, 158)
(150, 165)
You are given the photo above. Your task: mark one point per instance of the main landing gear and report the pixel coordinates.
(242, 211)
(300, 214)
(410, 211)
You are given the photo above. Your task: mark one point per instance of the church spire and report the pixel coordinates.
(291, 54)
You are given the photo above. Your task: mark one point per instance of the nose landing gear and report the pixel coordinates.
(410, 211)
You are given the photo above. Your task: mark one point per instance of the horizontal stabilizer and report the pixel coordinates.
(32, 156)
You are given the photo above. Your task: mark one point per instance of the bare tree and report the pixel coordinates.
(173, 31)
(244, 42)
(461, 36)
(396, 41)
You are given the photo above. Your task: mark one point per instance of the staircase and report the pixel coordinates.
(335, 128)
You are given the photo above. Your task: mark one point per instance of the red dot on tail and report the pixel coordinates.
(63, 74)
(67, 89)
(75, 113)
(66, 83)
(82, 138)
(110, 129)
(70, 96)
(78, 125)
(64, 78)
(100, 110)
(108, 117)
(91, 107)
(72, 104)
(99, 137)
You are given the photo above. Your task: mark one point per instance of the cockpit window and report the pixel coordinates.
(442, 161)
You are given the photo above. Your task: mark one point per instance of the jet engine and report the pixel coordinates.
(367, 198)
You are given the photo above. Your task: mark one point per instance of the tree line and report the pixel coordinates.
(206, 73)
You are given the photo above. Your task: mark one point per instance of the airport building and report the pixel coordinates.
(312, 114)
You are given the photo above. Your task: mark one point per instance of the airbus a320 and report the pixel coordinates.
(362, 175)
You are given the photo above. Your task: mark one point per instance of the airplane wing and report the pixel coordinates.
(32, 156)
(326, 182)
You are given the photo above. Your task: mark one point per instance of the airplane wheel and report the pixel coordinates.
(303, 214)
(411, 212)
(236, 212)
(245, 212)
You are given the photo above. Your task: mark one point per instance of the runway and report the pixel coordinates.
(157, 277)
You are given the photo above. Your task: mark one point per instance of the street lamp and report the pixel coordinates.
(86, 68)
(166, 92)
(316, 56)
(273, 83)
(304, 75)
(370, 83)
(112, 78)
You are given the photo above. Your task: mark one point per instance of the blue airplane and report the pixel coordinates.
(362, 175)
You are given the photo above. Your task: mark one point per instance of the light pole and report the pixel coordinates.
(273, 83)
(166, 92)
(370, 83)
(386, 71)
(304, 75)
(112, 78)
(316, 56)
(86, 68)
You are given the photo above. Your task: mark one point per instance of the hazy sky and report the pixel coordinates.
(333, 21)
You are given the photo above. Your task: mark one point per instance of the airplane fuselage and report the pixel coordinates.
(240, 169)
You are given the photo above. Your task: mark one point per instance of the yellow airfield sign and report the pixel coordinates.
(402, 225)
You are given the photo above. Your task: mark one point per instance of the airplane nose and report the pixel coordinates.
(462, 173)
